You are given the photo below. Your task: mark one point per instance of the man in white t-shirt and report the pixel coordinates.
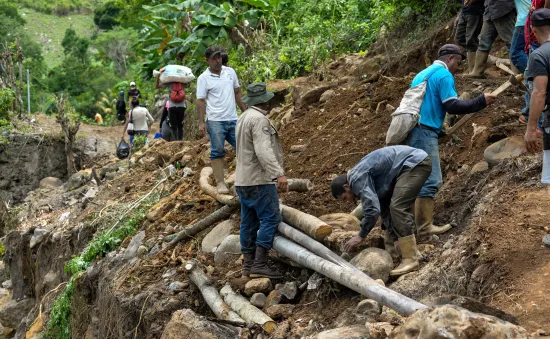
(218, 91)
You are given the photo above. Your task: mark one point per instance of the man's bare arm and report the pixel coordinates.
(538, 100)
(201, 111)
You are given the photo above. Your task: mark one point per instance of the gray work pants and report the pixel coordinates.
(503, 27)
(396, 211)
(467, 31)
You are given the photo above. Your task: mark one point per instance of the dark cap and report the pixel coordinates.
(212, 51)
(256, 93)
(450, 49)
(541, 17)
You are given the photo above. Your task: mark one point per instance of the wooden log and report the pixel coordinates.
(300, 185)
(246, 310)
(210, 293)
(360, 283)
(205, 186)
(190, 231)
(305, 222)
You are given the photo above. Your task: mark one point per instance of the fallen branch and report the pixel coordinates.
(360, 283)
(305, 222)
(210, 293)
(300, 185)
(205, 186)
(199, 226)
(246, 310)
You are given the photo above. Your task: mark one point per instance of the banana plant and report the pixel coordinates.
(177, 31)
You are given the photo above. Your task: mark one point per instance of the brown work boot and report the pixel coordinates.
(248, 261)
(217, 168)
(423, 217)
(409, 263)
(479, 66)
(260, 268)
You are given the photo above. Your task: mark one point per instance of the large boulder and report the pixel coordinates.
(186, 324)
(456, 322)
(260, 285)
(374, 262)
(504, 149)
(306, 92)
(133, 247)
(14, 311)
(228, 251)
(347, 332)
(216, 236)
(76, 180)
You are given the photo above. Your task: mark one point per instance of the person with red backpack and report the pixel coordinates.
(176, 106)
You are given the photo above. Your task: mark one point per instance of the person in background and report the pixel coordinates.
(176, 109)
(518, 56)
(141, 118)
(218, 91)
(499, 19)
(538, 71)
(165, 129)
(121, 107)
(468, 29)
(133, 92)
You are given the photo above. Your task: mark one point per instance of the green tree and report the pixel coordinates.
(75, 46)
(116, 46)
(106, 16)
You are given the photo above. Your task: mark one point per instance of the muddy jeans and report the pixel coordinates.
(467, 31)
(503, 27)
(396, 211)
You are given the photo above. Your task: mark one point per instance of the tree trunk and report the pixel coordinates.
(210, 293)
(201, 225)
(246, 310)
(300, 185)
(305, 222)
(359, 283)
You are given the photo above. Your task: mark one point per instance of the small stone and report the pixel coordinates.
(426, 249)
(380, 329)
(374, 262)
(261, 285)
(37, 237)
(210, 269)
(169, 229)
(369, 308)
(289, 290)
(142, 251)
(3, 292)
(177, 286)
(281, 311)
(228, 251)
(327, 95)
(274, 298)
(347, 332)
(480, 167)
(110, 176)
(7, 284)
(135, 243)
(50, 182)
(258, 300)
(380, 282)
(215, 237)
(171, 272)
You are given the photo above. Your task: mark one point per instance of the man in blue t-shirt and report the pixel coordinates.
(439, 99)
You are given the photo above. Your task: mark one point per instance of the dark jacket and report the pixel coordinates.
(495, 9)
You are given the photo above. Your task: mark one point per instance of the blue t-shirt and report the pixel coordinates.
(522, 7)
(439, 90)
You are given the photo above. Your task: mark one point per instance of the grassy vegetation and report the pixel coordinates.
(59, 325)
(61, 7)
(48, 30)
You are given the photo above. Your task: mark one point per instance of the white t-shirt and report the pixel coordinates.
(219, 92)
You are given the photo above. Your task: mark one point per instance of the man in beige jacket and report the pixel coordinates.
(259, 173)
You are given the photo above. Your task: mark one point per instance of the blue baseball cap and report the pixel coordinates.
(121, 93)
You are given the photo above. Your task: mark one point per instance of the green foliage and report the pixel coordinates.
(60, 7)
(106, 15)
(59, 325)
(75, 46)
(139, 142)
(9, 10)
(2, 249)
(7, 96)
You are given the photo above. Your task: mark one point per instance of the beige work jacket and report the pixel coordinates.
(259, 151)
